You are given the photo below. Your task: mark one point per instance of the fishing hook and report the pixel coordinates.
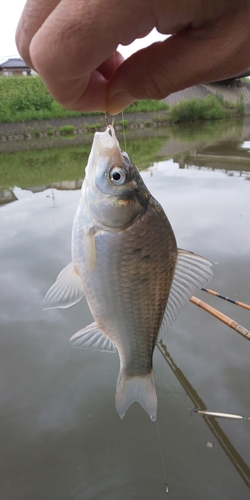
(107, 123)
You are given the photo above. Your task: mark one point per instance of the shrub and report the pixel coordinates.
(146, 105)
(209, 108)
(67, 129)
(124, 123)
(50, 131)
(26, 98)
(22, 95)
(240, 108)
(95, 126)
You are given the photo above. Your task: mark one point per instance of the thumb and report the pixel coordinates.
(182, 60)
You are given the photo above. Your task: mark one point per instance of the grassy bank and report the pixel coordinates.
(211, 108)
(25, 98)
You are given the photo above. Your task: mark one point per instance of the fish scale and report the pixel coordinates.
(126, 262)
(118, 283)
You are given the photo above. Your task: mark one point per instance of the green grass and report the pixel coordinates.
(94, 126)
(67, 130)
(211, 108)
(146, 106)
(123, 123)
(26, 98)
(240, 106)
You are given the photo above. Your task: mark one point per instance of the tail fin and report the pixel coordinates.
(140, 389)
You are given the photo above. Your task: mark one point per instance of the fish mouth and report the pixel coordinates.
(104, 144)
(107, 139)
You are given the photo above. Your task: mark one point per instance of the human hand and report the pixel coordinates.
(72, 45)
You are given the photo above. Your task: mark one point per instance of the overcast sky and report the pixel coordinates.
(10, 12)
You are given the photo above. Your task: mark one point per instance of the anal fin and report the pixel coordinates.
(91, 337)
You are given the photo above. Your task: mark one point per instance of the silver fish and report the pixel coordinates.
(126, 262)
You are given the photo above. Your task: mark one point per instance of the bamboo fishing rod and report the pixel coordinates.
(217, 294)
(222, 317)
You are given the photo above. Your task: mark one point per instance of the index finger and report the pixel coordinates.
(76, 39)
(33, 16)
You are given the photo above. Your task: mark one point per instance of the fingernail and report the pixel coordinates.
(117, 101)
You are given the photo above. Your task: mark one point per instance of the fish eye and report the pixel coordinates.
(118, 176)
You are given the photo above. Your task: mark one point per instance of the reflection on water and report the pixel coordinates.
(236, 459)
(60, 434)
(246, 145)
(215, 145)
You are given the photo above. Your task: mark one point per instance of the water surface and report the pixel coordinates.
(61, 437)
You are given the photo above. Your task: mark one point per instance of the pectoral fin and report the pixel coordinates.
(66, 291)
(92, 337)
(191, 273)
(89, 247)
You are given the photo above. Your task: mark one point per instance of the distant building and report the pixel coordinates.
(14, 67)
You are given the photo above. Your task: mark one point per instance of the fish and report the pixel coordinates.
(126, 263)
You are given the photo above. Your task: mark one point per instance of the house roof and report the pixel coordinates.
(14, 63)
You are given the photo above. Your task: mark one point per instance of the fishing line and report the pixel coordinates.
(158, 432)
(165, 383)
(204, 412)
(162, 457)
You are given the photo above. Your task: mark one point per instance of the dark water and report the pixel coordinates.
(61, 437)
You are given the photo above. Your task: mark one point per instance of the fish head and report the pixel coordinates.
(113, 191)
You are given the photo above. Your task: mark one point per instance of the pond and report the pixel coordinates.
(61, 437)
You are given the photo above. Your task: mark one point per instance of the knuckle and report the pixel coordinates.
(156, 85)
